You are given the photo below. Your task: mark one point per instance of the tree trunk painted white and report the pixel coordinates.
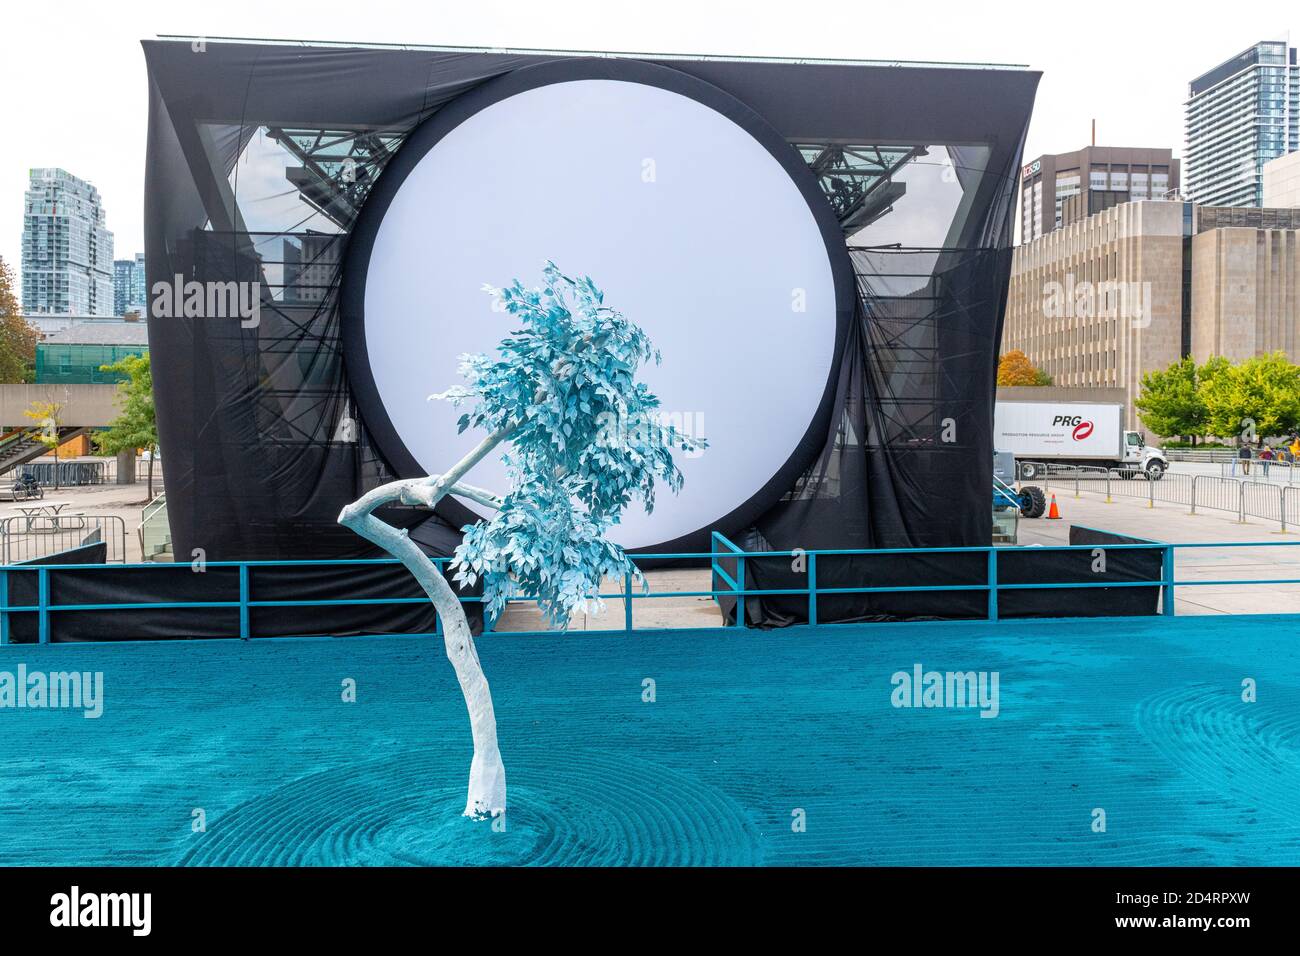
(487, 774)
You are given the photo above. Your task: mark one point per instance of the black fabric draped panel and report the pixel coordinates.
(262, 442)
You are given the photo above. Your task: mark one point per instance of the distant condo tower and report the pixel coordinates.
(67, 258)
(1240, 115)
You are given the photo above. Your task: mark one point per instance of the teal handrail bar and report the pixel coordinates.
(722, 549)
(812, 589)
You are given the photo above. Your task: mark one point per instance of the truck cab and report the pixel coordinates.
(1140, 456)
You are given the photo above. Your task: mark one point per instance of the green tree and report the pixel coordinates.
(1172, 402)
(1256, 399)
(49, 418)
(18, 337)
(134, 427)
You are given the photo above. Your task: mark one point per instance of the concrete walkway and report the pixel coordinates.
(1174, 524)
(124, 501)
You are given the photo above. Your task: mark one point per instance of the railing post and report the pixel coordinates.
(243, 603)
(1151, 491)
(4, 606)
(42, 605)
(1167, 578)
(1194, 477)
(740, 596)
(1108, 501)
(627, 602)
(1241, 502)
(993, 584)
(812, 588)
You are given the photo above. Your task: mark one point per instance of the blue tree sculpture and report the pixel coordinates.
(585, 440)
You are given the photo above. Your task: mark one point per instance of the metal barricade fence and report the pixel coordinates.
(1170, 489)
(1282, 472)
(26, 538)
(70, 474)
(1291, 502)
(1261, 499)
(1130, 483)
(80, 472)
(1199, 454)
(1270, 500)
(1217, 494)
(1073, 477)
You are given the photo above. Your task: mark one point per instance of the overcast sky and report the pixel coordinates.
(74, 81)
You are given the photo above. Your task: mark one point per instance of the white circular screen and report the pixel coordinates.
(690, 226)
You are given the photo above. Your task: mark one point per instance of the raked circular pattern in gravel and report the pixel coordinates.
(592, 809)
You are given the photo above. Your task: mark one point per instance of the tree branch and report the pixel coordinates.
(427, 491)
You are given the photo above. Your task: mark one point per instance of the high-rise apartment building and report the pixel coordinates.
(1102, 176)
(128, 286)
(1238, 116)
(67, 257)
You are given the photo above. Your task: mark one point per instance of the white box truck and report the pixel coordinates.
(1072, 433)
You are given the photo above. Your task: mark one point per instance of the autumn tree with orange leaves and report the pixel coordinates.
(1014, 368)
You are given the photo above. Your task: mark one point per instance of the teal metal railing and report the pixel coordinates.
(727, 563)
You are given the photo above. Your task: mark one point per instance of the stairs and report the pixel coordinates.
(25, 446)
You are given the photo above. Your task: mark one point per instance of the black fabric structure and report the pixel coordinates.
(940, 569)
(174, 583)
(261, 157)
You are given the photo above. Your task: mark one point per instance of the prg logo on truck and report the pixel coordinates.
(1082, 428)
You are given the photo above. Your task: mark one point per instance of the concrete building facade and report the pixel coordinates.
(1245, 266)
(1136, 287)
(1282, 182)
(1100, 301)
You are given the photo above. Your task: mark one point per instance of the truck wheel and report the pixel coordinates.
(1028, 470)
(1155, 471)
(1032, 501)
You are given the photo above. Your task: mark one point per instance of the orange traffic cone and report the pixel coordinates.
(1054, 512)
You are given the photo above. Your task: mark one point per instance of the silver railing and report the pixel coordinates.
(28, 537)
(155, 530)
(1283, 472)
(1241, 497)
